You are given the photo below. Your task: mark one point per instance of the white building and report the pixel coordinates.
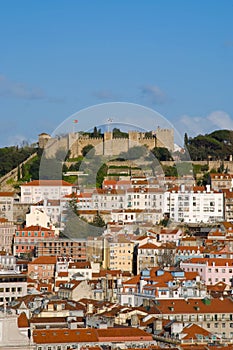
(7, 231)
(47, 213)
(6, 205)
(37, 190)
(145, 198)
(13, 285)
(198, 205)
(108, 199)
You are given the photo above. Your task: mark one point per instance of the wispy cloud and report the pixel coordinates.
(103, 94)
(154, 94)
(201, 125)
(221, 119)
(12, 89)
(18, 90)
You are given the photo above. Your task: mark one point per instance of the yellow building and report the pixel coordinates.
(120, 254)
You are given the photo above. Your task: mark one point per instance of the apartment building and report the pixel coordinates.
(74, 248)
(228, 204)
(6, 205)
(13, 284)
(7, 232)
(221, 181)
(211, 270)
(42, 268)
(108, 199)
(215, 315)
(147, 254)
(119, 255)
(157, 284)
(37, 190)
(27, 239)
(145, 198)
(63, 339)
(169, 235)
(48, 211)
(196, 205)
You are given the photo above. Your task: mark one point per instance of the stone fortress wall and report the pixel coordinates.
(106, 145)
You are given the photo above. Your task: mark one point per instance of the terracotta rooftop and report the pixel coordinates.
(47, 183)
(44, 260)
(23, 321)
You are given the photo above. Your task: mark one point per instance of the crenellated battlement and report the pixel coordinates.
(108, 144)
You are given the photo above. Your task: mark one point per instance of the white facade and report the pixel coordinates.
(108, 199)
(37, 190)
(7, 231)
(37, 217)
(194, 206)
(13, 285)
(145, 198)
(6, 205)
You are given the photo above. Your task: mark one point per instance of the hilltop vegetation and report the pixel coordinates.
(216, 145)
(11, 157)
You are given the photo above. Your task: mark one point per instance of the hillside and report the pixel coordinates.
(217, 145)
(11, 157)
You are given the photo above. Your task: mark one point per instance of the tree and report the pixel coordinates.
(162, 154)
(86, 149)
(135, 152)
(23, 170)
(95, 132)
(117, 133)
(98, 221)
(102, 172)
(18, 173)
(186, 140)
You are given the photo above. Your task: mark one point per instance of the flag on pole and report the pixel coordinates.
(75, 121)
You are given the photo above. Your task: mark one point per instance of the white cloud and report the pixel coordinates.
(154, 94)
(201, 125)
(221, 119)
(12, 89)
(103, 94)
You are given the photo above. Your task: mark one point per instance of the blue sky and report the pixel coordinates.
(58, 57)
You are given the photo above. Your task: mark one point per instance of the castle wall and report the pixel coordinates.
(109, 145)
(165, 138)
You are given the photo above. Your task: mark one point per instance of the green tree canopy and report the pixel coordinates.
(88, 149)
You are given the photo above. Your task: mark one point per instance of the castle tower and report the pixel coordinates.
(165, 138)
(43, 139)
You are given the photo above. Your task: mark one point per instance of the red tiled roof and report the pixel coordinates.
(23, 321)
(192, 331)
(211, 261)
(35, 228)
(44, 260)
(7, 194)
(87, 335)
(148, 246)
(47, 183)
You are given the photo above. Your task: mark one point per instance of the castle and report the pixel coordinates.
(107, 144)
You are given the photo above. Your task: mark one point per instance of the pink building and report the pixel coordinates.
(26, 239)
(212, 270)
(167, 235)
